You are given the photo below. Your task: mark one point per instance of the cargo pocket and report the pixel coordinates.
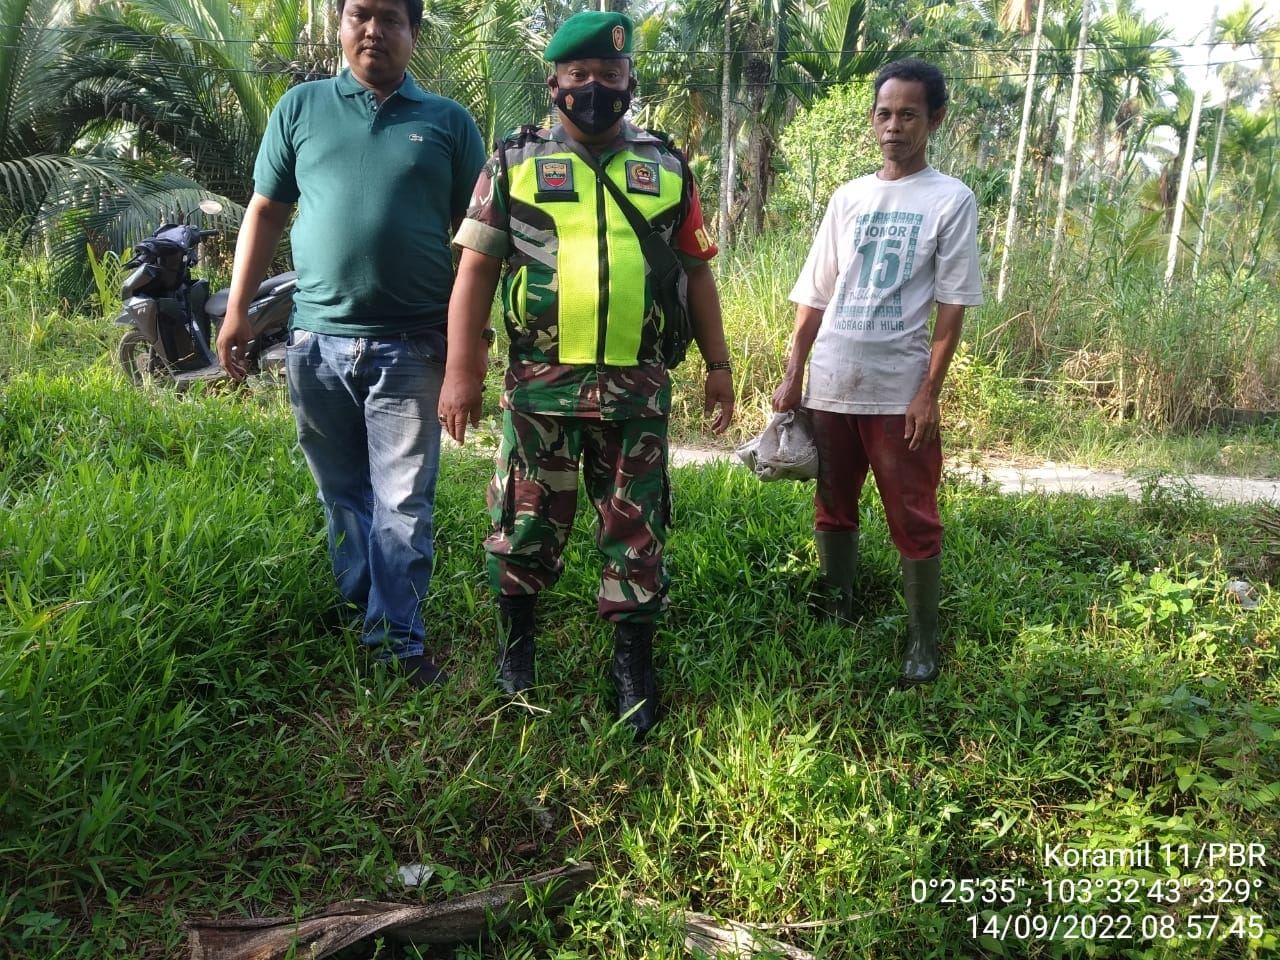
(508, 519)
(666, 489)
(515, 314)
(501, 498)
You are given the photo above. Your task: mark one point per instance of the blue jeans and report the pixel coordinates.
(366, 414)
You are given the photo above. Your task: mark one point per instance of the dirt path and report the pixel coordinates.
(1049, 478)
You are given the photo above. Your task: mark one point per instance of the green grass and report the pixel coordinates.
(188, 729)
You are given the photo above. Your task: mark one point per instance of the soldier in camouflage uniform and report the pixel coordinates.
(586, 382)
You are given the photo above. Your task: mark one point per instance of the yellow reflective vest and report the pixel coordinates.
(577, 288)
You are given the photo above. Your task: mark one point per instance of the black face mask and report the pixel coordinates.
(593, 108)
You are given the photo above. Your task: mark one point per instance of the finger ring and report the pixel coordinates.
(441, 419)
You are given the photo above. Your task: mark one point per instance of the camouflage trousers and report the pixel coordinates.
(534, 497)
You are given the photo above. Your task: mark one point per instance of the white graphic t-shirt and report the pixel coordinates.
(886, 251)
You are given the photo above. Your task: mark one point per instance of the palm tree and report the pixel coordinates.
(770, 56)
(39, 170)
(1188, 157)
(1251, 153)
(157, 105)
(830, 49)
(687, 87)
(1245, 27)
(1021, 10)
(1061, 43)
(188, 82)
(486, 54)
(810, 50)
(1133, 70)
(757, 35)
(1068, 148)
(1269, 48)
(974, 47)
(1174, 115)
(152, 105)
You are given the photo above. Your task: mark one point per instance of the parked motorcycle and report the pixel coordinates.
(173, 319)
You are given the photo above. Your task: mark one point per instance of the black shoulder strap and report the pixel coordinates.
(669, 142)
(665, 268)
(686, 188)
(662, 259)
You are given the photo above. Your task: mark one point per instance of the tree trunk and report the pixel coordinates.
(1125, 116)
(733, 181)
(757, 74)
(1188, 159)
(758, 169)
(1100, 147)
(1208, 188)
(1019, 160)
(1044, 171)
(727, 166)
(1069, 148)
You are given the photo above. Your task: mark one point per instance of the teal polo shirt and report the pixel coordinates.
(376, 188)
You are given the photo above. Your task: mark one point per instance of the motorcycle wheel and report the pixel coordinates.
(138, 359)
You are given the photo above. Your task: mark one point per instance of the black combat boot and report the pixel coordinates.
(516, 642)
(634, 677)
(921, 585)
(838, 568)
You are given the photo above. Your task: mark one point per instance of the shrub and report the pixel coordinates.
(821, 148)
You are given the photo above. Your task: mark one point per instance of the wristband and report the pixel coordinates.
(488, 334)
(720, 365)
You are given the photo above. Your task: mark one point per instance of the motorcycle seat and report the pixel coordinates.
(216, 305)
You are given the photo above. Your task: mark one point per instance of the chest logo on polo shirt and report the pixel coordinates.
(554, 175)
(415, 137)
(642, 177)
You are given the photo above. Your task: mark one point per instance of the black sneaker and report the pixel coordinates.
(342, 616)
(421, 672)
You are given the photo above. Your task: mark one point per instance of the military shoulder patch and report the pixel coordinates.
(642, 177)
(554, 175)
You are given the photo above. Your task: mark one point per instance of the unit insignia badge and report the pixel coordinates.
(554, 174)
(642, 177)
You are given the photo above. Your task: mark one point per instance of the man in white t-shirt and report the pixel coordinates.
(892, 247)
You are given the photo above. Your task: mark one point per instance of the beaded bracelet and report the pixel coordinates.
(719, 365)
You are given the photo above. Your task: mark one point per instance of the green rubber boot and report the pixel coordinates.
(921, 585)
(838, 568)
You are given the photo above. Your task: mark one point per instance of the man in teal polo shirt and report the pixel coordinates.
(381, 172)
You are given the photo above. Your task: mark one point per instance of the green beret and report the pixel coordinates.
(591, 35)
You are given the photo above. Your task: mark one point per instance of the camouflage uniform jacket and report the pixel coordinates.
(584, 328)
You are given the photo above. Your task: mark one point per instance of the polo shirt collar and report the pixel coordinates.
(349, 86)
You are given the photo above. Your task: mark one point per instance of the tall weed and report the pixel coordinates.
(1122, 341)
(37, 328)
(1056, 361)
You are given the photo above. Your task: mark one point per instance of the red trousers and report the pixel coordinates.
(907, 479)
